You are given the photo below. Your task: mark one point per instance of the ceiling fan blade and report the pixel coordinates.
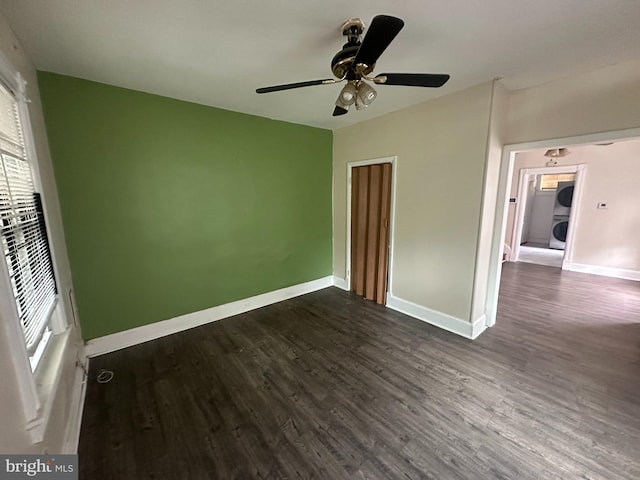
(433, 80)
(289, 86)
(380, 34)
(339, 111)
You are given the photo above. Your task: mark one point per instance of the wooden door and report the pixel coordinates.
(370, 208)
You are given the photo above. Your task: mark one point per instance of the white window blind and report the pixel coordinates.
(24, 236)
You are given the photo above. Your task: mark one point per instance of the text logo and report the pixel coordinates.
(52, 467)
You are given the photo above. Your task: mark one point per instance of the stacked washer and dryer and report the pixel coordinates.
(561, 214)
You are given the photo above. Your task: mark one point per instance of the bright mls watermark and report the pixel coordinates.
(52, 467)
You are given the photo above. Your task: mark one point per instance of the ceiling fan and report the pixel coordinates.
(356, 61)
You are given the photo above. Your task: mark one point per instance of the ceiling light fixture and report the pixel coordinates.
(554, 154)
(557, 152)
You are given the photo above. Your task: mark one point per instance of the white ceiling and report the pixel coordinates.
(217, 52)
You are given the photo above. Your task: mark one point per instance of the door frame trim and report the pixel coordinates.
(392, 210)
(518, 223)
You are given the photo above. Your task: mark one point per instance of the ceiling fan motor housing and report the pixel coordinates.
(343, 59)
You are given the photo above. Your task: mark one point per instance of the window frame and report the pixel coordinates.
(30, 382)
(541, 181)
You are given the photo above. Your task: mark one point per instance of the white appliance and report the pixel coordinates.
(559, 228)
(564, 199)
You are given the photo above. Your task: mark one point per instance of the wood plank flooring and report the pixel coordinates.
(329, 386)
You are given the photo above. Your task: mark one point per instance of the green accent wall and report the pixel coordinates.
(171, 207)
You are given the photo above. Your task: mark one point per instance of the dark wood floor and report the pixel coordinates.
(328, 386)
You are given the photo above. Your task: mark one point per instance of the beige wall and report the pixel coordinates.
(604, 100)
(13, 437)
(440, 146)
(603, 237)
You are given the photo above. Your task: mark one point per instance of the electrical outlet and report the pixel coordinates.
(602, 204)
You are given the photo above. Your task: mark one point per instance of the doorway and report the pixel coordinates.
(370, 221)
(504, 202)
(547, 202)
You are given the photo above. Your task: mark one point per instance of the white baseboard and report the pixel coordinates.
(478, 326)
(606, 271)
(72, 435)
(144, 333)
(340, 283)
(439, 319)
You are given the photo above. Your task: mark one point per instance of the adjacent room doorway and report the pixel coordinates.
(537, 214)
(504, 194)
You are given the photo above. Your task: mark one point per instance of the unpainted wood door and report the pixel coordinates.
(370, 209)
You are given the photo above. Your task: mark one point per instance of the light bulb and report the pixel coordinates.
(347, 95)
(365, 96)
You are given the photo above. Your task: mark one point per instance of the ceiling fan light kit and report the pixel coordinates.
(358, 92)
(357, 60)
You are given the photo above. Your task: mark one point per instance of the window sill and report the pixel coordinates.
(47, 379)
